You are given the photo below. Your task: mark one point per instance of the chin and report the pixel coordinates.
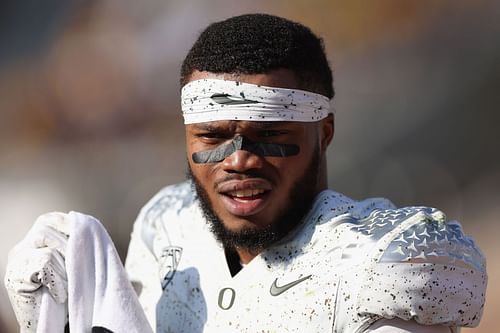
(238, 223)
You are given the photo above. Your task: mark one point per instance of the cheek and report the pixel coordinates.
(290, 168)
(295, 170)
(306, 150)
(190, 149)
(201, 172)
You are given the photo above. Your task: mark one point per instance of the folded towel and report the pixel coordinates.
(99, 298)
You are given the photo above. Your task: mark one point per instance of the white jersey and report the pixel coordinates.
(348, 265)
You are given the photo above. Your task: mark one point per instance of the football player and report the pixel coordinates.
(254, 241)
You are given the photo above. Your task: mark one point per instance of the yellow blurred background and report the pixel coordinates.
(90, 117)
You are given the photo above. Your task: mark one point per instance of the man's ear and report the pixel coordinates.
(327, 129)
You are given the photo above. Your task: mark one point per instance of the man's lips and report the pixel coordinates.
(243, 185)
(244, 197)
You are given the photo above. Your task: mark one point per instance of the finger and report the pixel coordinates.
(49, 230)
(54, 277)
(58, 221)
(23, 267)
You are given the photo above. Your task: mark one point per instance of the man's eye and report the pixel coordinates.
(209, 135)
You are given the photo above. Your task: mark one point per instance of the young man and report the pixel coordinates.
(254, 241)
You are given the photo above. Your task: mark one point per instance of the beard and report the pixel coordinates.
(254, 240)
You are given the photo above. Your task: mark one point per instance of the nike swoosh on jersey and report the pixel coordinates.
(276, 290)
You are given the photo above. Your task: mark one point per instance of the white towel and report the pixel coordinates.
(99, 294)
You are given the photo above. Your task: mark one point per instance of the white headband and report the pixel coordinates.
(211, 100)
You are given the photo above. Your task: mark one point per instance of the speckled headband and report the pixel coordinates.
(211, 100)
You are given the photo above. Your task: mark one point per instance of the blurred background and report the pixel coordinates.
(90, 117)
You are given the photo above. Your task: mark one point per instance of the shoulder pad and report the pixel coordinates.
(381, 222)
(170, 200)
(419, 234)
(430, 239)
(174, 197)
(424, 269)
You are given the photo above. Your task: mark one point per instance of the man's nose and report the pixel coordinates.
(241, 161)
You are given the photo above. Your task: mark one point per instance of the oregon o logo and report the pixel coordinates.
(226, 298)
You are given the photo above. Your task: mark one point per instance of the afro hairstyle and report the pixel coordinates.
(258, 44)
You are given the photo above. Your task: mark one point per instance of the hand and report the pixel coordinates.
(36, 266)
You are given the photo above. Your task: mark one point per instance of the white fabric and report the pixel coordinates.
(406, 326)
(36, 261)
(356, 263)
(245, 101)
(341, 246)
(98, 291)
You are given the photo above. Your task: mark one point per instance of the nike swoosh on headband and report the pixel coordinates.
(243, 143)
(276, 290)
(214, 99)
(227, 99)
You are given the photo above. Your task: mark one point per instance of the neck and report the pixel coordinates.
(246, 255)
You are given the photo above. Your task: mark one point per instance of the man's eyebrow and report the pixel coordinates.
(207, 127)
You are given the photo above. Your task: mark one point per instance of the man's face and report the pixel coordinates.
(249, 194)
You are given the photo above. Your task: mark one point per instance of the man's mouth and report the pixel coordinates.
(244, 197)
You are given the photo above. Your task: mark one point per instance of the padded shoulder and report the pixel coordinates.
(423, 268)
(419, 235)
(431, 240)
(163, 207)
(174, 197)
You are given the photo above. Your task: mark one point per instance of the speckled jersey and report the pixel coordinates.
(349, 264)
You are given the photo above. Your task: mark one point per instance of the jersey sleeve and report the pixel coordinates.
(423, 269)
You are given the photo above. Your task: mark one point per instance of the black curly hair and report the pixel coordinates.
(258, 44)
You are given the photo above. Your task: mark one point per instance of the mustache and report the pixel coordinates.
(250, 174)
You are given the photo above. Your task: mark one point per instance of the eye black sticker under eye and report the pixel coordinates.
(243, 143)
